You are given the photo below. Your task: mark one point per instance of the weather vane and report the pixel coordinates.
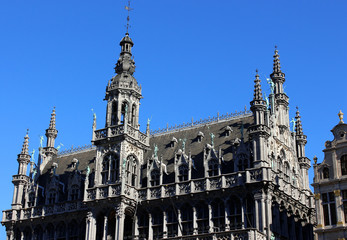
(128, 17)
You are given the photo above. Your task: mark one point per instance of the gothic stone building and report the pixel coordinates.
(234, 176)
(330, 186)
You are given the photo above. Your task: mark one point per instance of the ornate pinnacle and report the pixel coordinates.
(52, 122)
(277, 65)
(25, 148)
(298, 128)
(340, 114)
(257, 88)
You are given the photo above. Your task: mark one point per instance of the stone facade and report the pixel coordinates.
(234, 176)
(330, 186)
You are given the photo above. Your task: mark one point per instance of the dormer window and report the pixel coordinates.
(173, 142)
(228, 131)
(325, 173)
(155, 176)
(74, 192)
(212, 168)
(200, 136)
(52, 196)
(183, 173)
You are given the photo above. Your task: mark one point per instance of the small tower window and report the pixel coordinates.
(124, 107)
(133, 115)
(212, 168)
(344, 165)
(183, 173)
(155, 176)
(325, 173)
(114, 118)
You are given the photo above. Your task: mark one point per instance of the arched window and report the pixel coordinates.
(61, 231)
(52, 195)
(218, 215)
(110, 169)
(74, 192)
(213, 168)
(155, 176)
(124, 110)
(187, 219)
(143, 224)
(114, 117)
(202, 217)
(50, 231)
(31, 199)
(183, 172)
(286, 172)
(249, 212)
(325, 173)
(344, 165)
(171, 223)
(242, 161)
(157, 224)
(133, 115)
(73, 230)
(235, 217)
(131, 171)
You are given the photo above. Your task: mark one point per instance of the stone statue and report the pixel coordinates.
(272, 85)
(148, 121)
(32, 155)
(41, 141)
(212, 138)
(87, 171)
(183, 144)
(156, 149)
(293, 122)
(241, 130)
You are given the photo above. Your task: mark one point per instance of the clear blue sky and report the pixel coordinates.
(194, 58)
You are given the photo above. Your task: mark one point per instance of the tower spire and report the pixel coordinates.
(52, 122)
(51, 134)
(298, 125)
(276, 64)
(257, 88)
(25, 148)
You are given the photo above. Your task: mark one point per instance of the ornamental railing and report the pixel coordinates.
(76, 149)
(227, 116)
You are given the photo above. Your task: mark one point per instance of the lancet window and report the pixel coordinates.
(155, 176)
(249, 212)
(123, 110)
(183, 173)
(286, 172)
(235, 213)
(143, 225)
(52, 195)
(218, 215)
(187, 219)
(242, 162)
(110, 169)
(202, 217)
(157, 224)
(213, 168)
(172, 222)
(31, 199)
(114, 117)
(131, 171)
(329, 208)
(133, 115)
(344, 165)
(74, 192)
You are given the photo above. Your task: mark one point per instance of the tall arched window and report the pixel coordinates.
(286, 171)
(187, 219)
(143, 224)
(133, 115)
(157, 224)
(110, 169)
(172, 222)
(344, 165)
(325, 173)
(73, 230)
(213, 168)
(242, 161)
(131, 171)
(202, 217)
(155, 176)
(218, 215)
(183, 172)
(235, 217)
(249, 212)
(124, 109)
(114, 117)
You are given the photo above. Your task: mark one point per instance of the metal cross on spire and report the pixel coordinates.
(128, 17)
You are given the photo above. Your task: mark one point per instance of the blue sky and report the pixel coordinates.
(194, 58)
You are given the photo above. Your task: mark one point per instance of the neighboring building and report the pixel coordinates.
(234, 176)
(330, 186)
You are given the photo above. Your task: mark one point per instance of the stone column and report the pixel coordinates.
(104, 236)
(119, 228)
(242, 214)
(319, 213)
(339, 207)
(195, 224)
(90, 226)
(227, 213)
(150, 230)
(164, 224)
(179, 232)
(256, 213)
(9, 233)
(268, 214)
(263, 215)
(136, 226)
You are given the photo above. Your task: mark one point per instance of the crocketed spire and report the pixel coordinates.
(277, 64)
(25, 148)
(298, 126)
(52, 122)
(257, 88)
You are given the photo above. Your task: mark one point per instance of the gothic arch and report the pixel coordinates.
(132, 168)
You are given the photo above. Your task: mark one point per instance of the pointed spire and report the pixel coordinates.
(257, 88)
(25, 148)
(298, 127)
(52, 122)
(277, 64)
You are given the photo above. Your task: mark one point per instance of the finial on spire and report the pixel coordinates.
(340, 114)
(52, 122)
(128, 17)
(276, 65)
(257, 87)
(25, 148)
(298, 127)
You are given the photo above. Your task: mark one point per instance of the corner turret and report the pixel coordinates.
(51, 134)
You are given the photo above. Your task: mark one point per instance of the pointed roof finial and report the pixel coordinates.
(52, 122)
(298, 127)
(340, 114)
(276, 65)
(257, 87)
(25, 148)
(128, 17)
